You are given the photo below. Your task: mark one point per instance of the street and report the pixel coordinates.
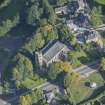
(88, 69)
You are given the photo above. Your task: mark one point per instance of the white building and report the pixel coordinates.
(53, 52)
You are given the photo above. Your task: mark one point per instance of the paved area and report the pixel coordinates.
(88, 69)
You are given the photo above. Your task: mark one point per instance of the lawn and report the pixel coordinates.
(32, 83)
(84, 57)
(79, 89)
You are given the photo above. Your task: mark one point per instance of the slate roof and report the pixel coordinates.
(81, 20)
(2, 102)
(87, 35)
(61, 10)
(52, 50)
(90, 35)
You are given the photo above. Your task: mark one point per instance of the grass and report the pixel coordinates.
(79, 89)
(82, 58)
(30, 83)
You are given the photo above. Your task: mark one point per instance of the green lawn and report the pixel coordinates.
(85, 57)
(79, 89)
(30, 83)
(82, 58)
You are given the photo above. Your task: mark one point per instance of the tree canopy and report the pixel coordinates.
(23, 68)
(102, 2)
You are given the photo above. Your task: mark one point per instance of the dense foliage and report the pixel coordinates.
(28, 26)
(100, 2)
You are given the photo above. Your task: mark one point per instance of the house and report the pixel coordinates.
(73, 7)
(70, 8)
(87, 36)
(61, 10)
(91, 36)
(52, 52)
(2, 102)
(72, 27)
(50, 92)
(79, 24)
(81, 20)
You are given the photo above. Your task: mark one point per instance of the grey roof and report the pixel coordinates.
(61, 9)
(2, 102)
(90, 35)
(52, 50)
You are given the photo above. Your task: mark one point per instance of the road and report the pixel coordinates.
(99, 28)
(88, 69)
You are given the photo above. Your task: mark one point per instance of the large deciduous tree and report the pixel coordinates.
(33, 15)
(96, 17)
(36, 42)
(25, 100)
(57, 67)
(61, 2)
(102, 64)
(23, 68)
(102, 2)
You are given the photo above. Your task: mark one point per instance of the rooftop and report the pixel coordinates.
(61, 10)
(52, 49)
(71, 8)
(81, 20)
(2, 102)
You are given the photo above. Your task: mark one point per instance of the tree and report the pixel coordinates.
(46, 6)
(16, 74)
(65, 66)
(23, 68)
(33, 15)
(43, 22)
(64, 32)
(49, 12)
(57, 67)
(102, 2)
(71, 78)
(96, 17)
(4, 3)
(52, 16)
(49, 33)
(25, 100)
(102, 64)
(72, 57)
(7, 25)
(61, 2)
(36, 96)
(53, 71)
(36, 42)
(72, 40)
(33, 97)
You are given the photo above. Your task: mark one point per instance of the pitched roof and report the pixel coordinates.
(61, 9)
(51, 50)
(2, 102)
